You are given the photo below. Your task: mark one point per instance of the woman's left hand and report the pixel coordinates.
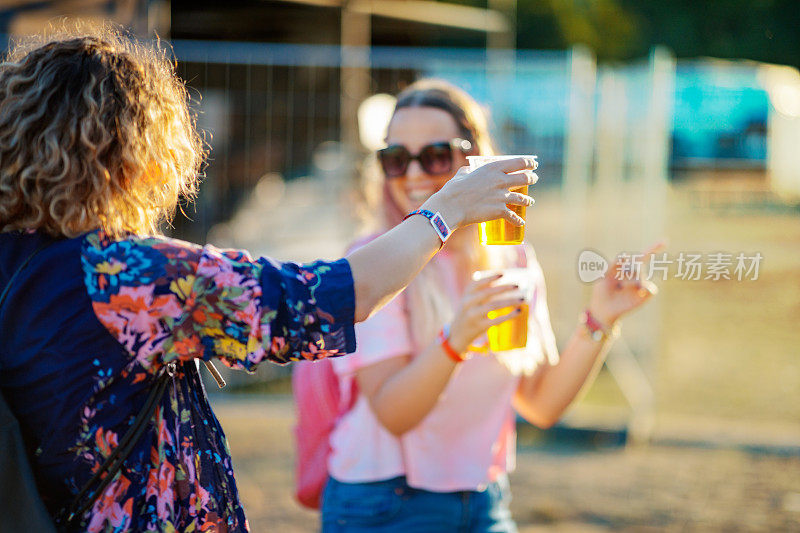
(616, 294)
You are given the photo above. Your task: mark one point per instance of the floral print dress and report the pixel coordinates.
(91, 322)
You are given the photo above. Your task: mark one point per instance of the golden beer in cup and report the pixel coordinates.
(501, 231)
(512, 333)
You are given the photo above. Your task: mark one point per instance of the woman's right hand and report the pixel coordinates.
(480, 297)
(483, 194)
(386, 265)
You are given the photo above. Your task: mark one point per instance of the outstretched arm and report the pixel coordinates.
(387, 264)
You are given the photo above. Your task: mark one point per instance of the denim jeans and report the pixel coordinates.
(392, 506)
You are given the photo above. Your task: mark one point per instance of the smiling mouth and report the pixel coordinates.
(420, 195)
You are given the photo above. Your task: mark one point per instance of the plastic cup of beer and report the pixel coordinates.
(512, 333)
(501, 231)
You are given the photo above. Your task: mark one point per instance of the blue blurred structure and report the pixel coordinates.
(721, 113)
(720, 109)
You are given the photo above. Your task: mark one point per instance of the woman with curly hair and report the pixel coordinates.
(97, 145)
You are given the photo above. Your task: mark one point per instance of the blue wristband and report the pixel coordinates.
(439, 225)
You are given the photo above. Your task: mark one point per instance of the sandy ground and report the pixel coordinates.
(557, 488)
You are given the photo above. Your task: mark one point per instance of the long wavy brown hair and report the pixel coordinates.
(95, 132)
(428, 304)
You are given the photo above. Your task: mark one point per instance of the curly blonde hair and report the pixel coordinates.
(95, 132)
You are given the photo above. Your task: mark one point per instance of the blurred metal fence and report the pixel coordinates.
(266, 108)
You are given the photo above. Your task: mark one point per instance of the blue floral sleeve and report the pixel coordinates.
(165, 299)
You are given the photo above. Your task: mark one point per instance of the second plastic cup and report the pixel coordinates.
(513, 333)
(500, 231)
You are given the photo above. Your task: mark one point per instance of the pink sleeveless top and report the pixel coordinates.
(468, 439)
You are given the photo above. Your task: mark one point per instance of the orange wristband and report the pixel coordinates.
(444, 339)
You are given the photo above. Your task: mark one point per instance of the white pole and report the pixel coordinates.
(577, 166)
(783, 130)
(659, 132)
(652, 207)
(610, 154)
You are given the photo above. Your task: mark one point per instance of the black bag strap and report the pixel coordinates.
(113, 463)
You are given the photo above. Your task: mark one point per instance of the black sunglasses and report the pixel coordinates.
(435, 158)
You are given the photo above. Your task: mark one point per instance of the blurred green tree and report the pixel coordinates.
(762, 30)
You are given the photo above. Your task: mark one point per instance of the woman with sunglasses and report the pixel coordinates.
(429, 439)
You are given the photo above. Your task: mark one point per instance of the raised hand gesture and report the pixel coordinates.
(620, 291)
